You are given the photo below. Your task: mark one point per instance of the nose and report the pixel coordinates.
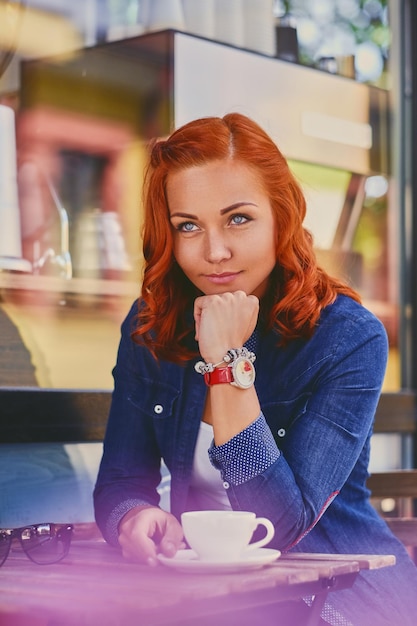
(216, 247)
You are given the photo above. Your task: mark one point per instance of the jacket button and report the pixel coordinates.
(226, 484)
(281, 432)
(158, 408)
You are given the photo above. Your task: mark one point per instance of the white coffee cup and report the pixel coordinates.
(223, 536)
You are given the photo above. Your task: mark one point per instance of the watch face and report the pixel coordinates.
(243, 373)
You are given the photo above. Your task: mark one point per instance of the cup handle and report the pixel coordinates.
(270, 532)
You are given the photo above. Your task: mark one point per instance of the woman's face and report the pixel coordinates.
(223, 225)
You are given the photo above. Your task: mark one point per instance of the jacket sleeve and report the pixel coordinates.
(322, 444)
(130, 467)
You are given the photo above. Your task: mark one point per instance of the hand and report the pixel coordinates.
(224, 321)
(146, 531)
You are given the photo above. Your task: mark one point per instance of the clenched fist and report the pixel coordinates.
(224, 321)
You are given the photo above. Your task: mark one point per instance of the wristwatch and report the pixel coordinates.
(240, 373)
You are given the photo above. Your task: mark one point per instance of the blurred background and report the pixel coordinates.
(84, 86)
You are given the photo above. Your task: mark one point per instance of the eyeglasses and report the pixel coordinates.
(42, 543)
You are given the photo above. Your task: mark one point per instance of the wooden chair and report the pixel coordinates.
(33, 415)
(399, 488)
(54, 416)
(394, 493)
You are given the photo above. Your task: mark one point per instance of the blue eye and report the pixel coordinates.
(239, 219)
(186, 227)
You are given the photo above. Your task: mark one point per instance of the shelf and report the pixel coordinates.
(82, 286)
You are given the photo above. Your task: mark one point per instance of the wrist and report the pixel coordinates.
(236, 368)
(133, 512)
(232, 355)
(240, 374)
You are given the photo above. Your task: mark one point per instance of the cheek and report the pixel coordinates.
(184, 256)
(264, 243)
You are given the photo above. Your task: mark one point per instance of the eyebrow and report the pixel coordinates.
(224, 211)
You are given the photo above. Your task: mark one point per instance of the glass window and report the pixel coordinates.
(353, 225)
(75, 119)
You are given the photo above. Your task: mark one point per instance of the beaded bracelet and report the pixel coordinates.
(201, 367)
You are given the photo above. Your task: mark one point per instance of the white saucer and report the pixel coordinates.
(188, 561)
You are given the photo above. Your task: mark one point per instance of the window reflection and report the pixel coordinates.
(349, 216)
(83, 118)
(330, 33)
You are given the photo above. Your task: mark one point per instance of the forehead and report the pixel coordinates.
(223, 178)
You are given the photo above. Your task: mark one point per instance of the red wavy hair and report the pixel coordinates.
(299, 289)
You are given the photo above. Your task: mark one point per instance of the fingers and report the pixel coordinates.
(224, 321)
(172, 540)
(135, 537)
(146, 531)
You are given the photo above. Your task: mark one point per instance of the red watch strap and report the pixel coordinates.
(219, 375)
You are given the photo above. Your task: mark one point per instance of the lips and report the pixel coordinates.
(220, 279)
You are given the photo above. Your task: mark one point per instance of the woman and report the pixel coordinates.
(228, 265)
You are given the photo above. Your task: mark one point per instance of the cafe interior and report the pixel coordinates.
(84, 87)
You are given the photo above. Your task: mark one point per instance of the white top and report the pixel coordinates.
(206, 488)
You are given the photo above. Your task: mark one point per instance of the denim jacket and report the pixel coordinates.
(303, 463)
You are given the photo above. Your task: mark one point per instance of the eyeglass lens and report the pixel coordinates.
(42, 543)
